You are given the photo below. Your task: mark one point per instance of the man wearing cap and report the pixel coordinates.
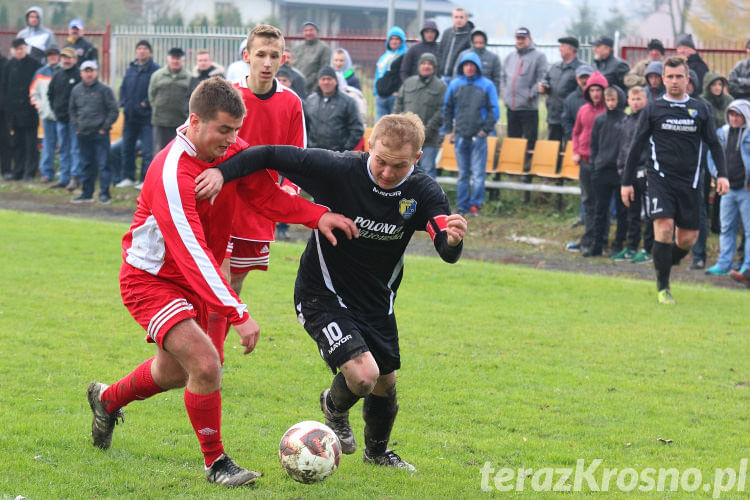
(137, 110)
(37, 37)
(38, 94)
(637, 75)
(455, 40)
(85, 51)
(612, 67)
(523, 69)
(739, 77)
(686, 49)
(93, 110)
(422, 94)
(23, 120)
(311, 55)
(410, 63)
(332, 117)
(491, 66)
(58, 93)
(559, 83)
(167, 92)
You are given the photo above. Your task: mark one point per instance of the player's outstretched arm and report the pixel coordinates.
(330, 221)
(249, 332)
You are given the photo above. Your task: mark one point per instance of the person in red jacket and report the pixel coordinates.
(584, 125)
(170, 278)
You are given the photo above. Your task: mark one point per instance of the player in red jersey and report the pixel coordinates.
(274, 116)
(170, 277)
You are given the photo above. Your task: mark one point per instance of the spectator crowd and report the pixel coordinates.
(449, 79)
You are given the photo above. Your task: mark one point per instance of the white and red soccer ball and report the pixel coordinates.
(309, 452)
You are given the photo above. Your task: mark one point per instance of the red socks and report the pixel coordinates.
(204, 411)
(137, 385)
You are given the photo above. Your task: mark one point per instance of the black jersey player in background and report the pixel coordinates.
(676, 125)
(344, 294)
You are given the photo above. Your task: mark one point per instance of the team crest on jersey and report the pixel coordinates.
(407, 207)
(692, 112)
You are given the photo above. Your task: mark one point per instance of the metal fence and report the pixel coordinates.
(720, 55)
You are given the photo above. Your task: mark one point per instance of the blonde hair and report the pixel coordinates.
(637, 89)
(266, 31)
(397, 131)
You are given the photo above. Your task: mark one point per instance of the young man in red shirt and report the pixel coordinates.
(274, 116)
(170, 278)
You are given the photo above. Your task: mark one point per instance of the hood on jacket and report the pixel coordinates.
(710, 78)
(595, 79)
(473, 57)
(622, 100)
(347, 64)
(39, 13)
(740, 106)
(396, 31)
(654, 67)
(693, 77)
(430, 25)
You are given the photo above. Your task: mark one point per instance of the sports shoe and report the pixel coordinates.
(697, 264)
(475, 211)
(125, 183)
(104, 423)
(226, 472)
(138, 186)
(664, 297)
(716, 271)
(72, 185)
(82, 199)
(626, 254)
(591, 252)
(740, 277)
(573, 246)
(641, 256)
(339, 422)
(105, 199)
(388, 459)
(577, 223)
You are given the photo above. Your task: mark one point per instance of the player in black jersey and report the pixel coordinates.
(344, 293)
(676, 126)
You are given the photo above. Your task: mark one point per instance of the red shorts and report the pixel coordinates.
(157, 305)
(248, 255)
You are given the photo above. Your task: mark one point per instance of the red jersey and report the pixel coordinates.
(179, 239)
(278, 120)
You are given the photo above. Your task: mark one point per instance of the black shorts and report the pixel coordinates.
(342, 335)
(673, 200)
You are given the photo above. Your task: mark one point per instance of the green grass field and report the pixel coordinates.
(504, 365)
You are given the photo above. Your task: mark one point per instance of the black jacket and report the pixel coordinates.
(560, 82)
(59, 90)
(410, 63)
(629, 126)
(453, 43)
(571, 105)
(92, 107)
(614, 70)
(84, 49)
(697, 64)
(606, 136)
(332, 122)
(18, 76)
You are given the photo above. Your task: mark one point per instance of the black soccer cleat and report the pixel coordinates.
(339, 423)
(103, 423)
(388, 459)
(226, 472)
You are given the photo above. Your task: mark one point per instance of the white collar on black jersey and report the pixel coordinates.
(411, 171)
(242, 82)
(676, 101)
(187, 145)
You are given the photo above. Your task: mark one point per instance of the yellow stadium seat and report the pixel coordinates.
(512, 156)
(448, 157)
(545, 158)
(491, 155)
(569, 170)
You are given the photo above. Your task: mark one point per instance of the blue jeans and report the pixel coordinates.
(94, 157)
(471, 156)
(427, 161)
(735, 206)
(131, 132)
(66, 138)
(384, 106)
(49, 144)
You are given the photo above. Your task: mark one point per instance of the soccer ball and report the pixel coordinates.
(309, 452)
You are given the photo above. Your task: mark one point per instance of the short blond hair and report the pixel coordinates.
(266, 31)
(635, 90)
(397, 131)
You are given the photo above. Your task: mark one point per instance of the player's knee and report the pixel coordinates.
(363, 380)
(207, 371)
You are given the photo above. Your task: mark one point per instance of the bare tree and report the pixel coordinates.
(678, 12)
